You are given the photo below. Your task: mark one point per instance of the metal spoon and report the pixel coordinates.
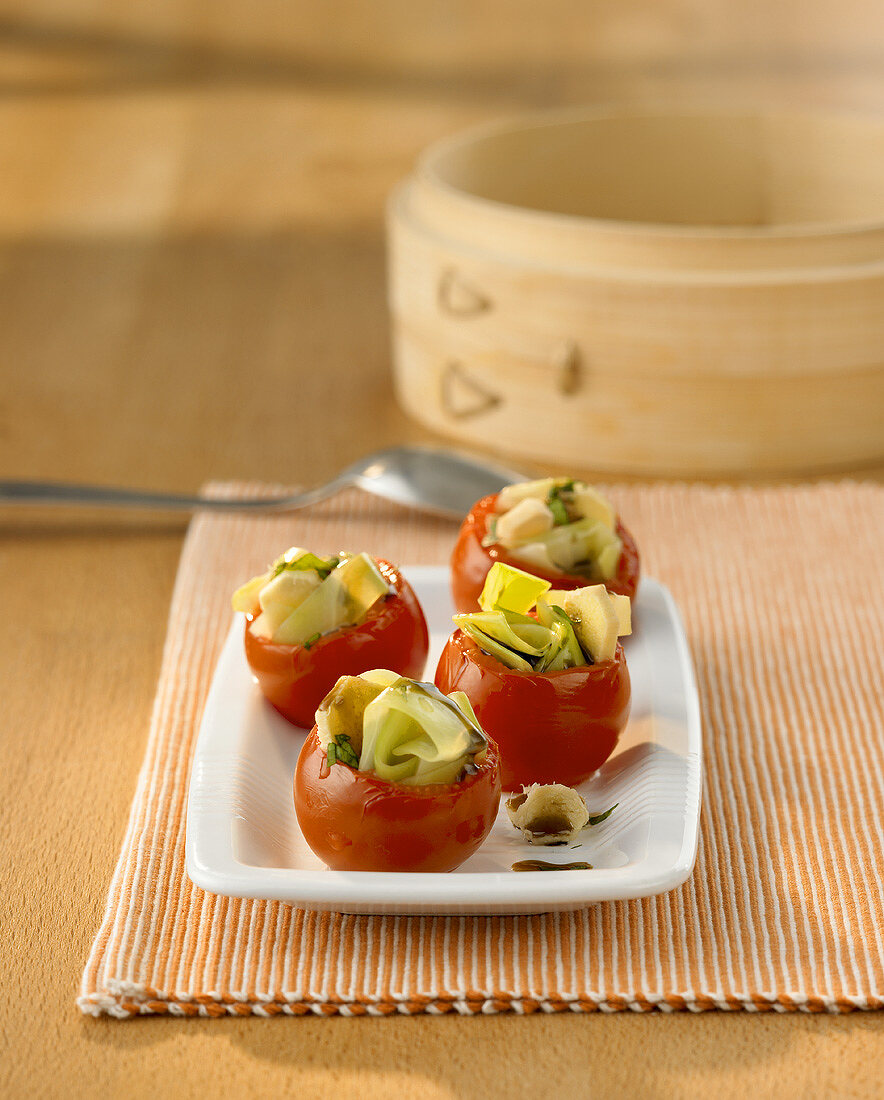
(431, 479)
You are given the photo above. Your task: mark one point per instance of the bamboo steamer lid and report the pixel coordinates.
(684, 293)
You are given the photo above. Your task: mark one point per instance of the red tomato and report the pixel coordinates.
(355, 821)
(471, 561)
(393, 635)
(550, 727)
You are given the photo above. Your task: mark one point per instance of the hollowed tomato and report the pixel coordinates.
(550, 727)
(296, 678)
(355, 821)
(471, 561)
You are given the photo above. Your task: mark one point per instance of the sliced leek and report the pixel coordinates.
(571, 628)
(400, 730)
(529, 640)
(494, 648)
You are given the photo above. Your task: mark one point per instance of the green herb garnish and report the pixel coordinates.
(557, 502)
(558, 509)
(542, 865)
(312, 640)
(344, 750)
(323, 566)
(599, 818)
(340, 750)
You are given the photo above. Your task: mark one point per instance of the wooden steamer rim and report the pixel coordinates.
(742, 344)
(566, 239)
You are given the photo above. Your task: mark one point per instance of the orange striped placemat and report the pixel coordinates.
(782, 596)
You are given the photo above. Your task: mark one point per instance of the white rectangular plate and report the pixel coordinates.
(243, 838)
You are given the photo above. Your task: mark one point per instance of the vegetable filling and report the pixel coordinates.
(559, 525)
(402, 731)
(301, 596)
(567, 629)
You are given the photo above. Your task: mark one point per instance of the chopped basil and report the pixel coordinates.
(599, 818)
(542, 865)
(344, 750)
(312, 640)
(323, 566)
(558, 509)
(340, 751)
(560, 496)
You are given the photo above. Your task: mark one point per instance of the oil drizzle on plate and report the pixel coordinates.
(542, 865)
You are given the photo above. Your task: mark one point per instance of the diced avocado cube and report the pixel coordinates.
(288, 589)
(245, 598)
(623, 610)
(511, 495)
(510, 589)
(590, 504)
(341, 712)
(342, 599)
(528, 517)
(595, 621)
(268, 622)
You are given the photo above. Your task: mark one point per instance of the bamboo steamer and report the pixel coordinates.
(652, 293)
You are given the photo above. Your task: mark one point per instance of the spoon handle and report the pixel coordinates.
(57, 492)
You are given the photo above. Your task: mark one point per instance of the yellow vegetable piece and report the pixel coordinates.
(510, 589)
(596, 623)
(245, 598)
(590, 503)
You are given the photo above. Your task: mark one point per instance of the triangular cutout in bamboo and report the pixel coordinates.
(463, 397)
(459, 298)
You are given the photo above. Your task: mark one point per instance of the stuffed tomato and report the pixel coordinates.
(561, 530)
(310, 620)
(395, 776)
(545, 675)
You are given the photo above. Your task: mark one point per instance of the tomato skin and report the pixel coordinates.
(393, 635)
(550, 727)
(471, 561)
(354, 821)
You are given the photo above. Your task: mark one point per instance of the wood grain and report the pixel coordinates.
(192, 286)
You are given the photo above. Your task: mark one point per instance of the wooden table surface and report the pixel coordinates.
(192, 287)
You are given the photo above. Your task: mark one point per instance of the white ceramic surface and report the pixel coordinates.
(243, 838)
